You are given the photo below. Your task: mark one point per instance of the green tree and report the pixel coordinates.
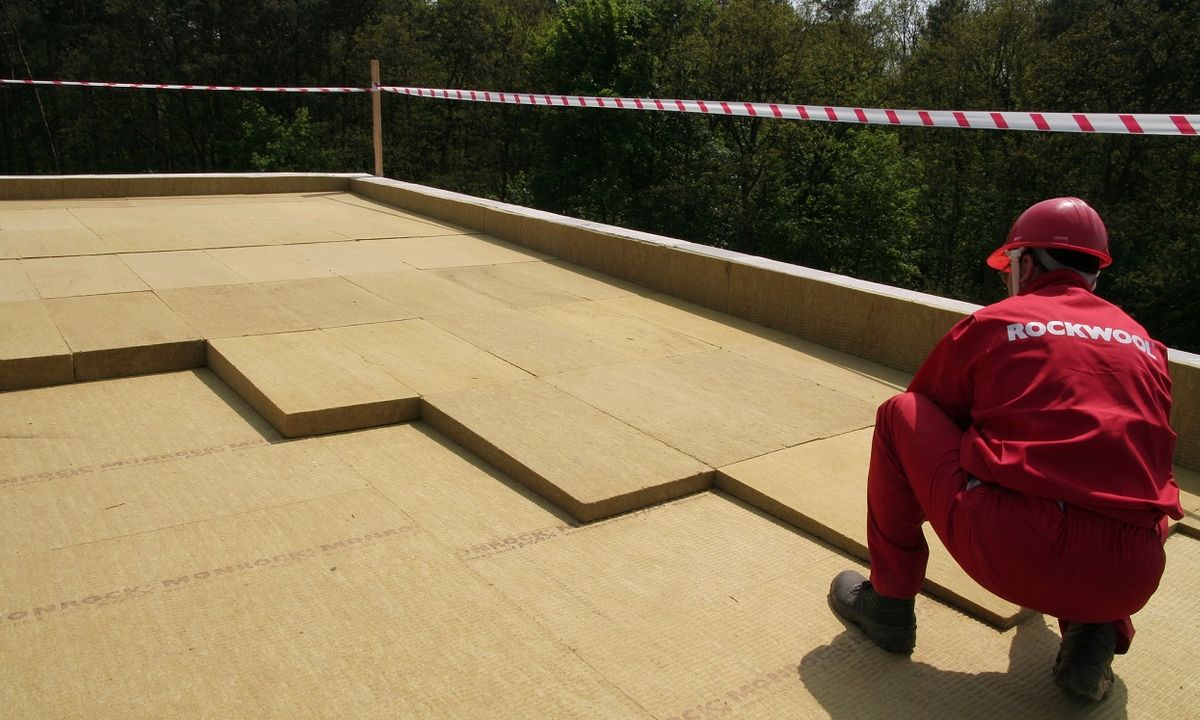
(855, 209)
(973, 183)
(752, 53)
(611, 166)
(473, 44)
(276, 144)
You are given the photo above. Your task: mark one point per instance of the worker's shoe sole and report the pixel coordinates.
(1084, 664)
(889, 622)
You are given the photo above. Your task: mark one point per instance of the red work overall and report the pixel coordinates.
(1035, 440)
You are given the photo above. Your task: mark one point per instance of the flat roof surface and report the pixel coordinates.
(309, 455)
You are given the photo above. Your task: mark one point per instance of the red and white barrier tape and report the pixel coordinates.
(1119, 123)
(161, 86)
(1115, 123)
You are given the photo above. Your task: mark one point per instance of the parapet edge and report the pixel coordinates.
(63, 187)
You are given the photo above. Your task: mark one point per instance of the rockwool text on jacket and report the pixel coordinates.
(1033, 329)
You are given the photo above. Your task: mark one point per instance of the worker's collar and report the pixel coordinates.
(1055, 277)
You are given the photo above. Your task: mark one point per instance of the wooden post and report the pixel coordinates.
(377, 116)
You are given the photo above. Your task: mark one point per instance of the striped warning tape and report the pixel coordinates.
(1114, 123)
(1118, 123)
(163, 86)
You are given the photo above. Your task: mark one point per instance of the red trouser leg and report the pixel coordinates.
(1071, 564)
(914, 476)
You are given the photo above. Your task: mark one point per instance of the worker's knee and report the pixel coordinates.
(908, 407)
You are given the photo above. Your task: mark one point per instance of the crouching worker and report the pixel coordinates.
(1035, 441)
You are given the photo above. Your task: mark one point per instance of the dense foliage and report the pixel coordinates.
(912, 207)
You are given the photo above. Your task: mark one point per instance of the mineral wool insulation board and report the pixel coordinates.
(389, 573)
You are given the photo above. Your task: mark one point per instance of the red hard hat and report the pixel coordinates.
(1065, 223)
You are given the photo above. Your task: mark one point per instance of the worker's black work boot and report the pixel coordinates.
(889, 622)
(1084, 663)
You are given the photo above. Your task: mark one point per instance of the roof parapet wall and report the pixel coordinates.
(56, 187)
(876, 322)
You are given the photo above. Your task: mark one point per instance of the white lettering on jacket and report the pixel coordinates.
(1034, 328)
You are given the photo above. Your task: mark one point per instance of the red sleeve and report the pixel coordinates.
(946, 375)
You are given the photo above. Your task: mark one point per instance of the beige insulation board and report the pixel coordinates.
(529, 341)
(362, 202)
(424, 294)
(359, 201)
(332, 302)
(125, 334)
(91, 429)
(308, 383)
(188, 268)
(364, 224)
(287, 209)
(52, 243)
(167, 236)
(15, 284)
(20, 216)
(434, 480)
(125, 500)
(862, 379)
(350, 258)
(509, 287)
(187, 227)
(584, 461)
(143, 213)
(326, 208)
(821, 487)
(717, 406)
(578, 280)
(32, 350)
(83, 275)
(445, 251)
(219, 311)
(335, 606)
(265, 264)
(701, 323)
(224, 226)
(424, 357)
(399, 576)
(45, 232)
(291, 231)
(630, 335)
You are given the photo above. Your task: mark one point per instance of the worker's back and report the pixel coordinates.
(1066, 397)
